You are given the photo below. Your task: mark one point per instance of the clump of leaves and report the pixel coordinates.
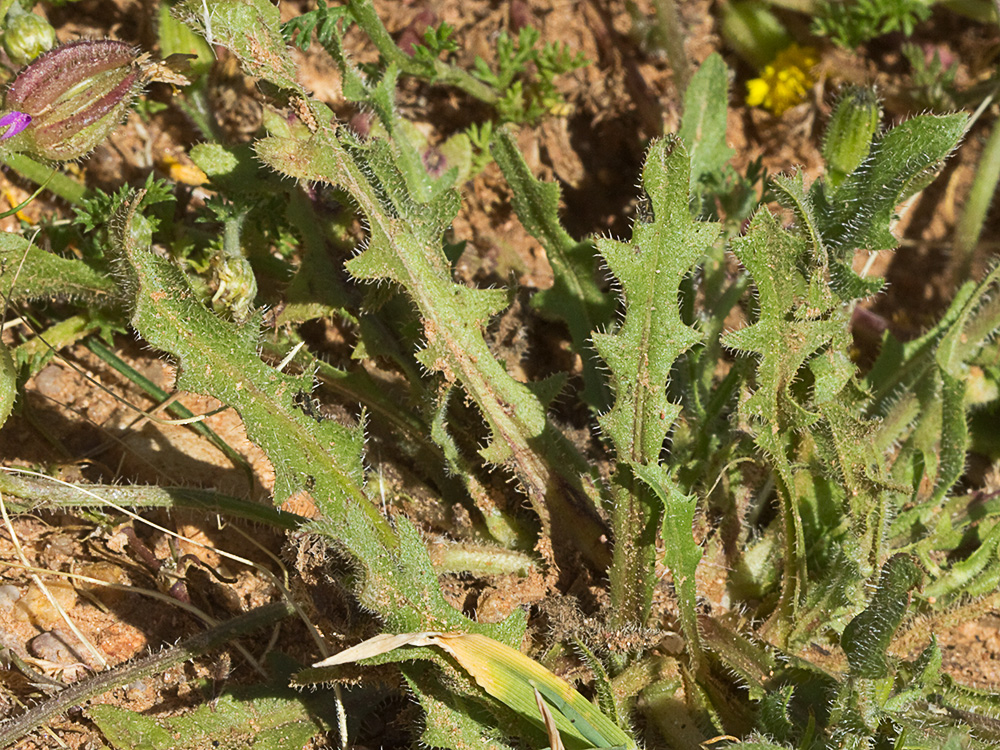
(824, 497)
(519, 85)
(933, 82)
(857, 22)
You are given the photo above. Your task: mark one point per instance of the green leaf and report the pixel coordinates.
(8, 383)
(405, 247)
(451, 719)
(575, 296)
(640, 356)
(505, 674)
(264, 717)
(867, 637)
(783, 338)
(649, 270)
(862, 208)
(220, 359)
(773, 714)
(681, 553)
(30, 273)
(251, 29)
(318, 457)
(792, 195)
(976, 575)
(703, 127)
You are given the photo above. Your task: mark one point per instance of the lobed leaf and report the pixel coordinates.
(29, 273)
(405, 247)
(650, 269)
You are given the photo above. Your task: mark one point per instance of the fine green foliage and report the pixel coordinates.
(781, 533)
(519, 85)
(850, 24)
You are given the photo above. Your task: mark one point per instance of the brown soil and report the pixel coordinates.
(83, 422)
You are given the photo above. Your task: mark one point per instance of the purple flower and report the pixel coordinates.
(14, 122)
(73, 96)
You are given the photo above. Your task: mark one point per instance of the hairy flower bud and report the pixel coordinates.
(27, 36)
(237, 287)
(74, 95)
(849, 135)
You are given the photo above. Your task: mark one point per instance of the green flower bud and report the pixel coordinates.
(237, 287)
(27, 36)
(74, 95)
(849, 135)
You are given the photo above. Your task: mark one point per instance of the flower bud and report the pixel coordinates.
(74, 95)
(849, 135)
(237, 287)
(27, 36)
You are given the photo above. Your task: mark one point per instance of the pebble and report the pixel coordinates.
(54, 646)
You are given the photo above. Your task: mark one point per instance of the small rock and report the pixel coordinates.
(8, 595)
(59, 649)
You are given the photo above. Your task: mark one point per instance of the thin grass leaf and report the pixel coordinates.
(509, 676)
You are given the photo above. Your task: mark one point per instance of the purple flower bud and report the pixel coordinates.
(73, 97)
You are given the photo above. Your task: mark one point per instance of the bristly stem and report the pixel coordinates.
(136, 670)
(669, 21)
(36, 495)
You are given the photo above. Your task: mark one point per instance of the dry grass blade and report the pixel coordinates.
(507, 675)
(555, 740)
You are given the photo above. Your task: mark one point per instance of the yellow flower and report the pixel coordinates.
(784, 82)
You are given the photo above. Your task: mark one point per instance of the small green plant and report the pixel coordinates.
(520, 86)
(854, 23)
(933, 81)
(739, 448)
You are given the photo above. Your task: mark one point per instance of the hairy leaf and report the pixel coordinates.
(405, 247)
(867, 637)
(574, 297)
(861, 209)
(703, 127)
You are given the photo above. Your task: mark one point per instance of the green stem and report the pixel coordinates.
(151, 666)
(480, 559)
(632, 573)
(38, 494)
(669, 22)
(977, 205)
(8, 383)
(232, 247)
(54, 181)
